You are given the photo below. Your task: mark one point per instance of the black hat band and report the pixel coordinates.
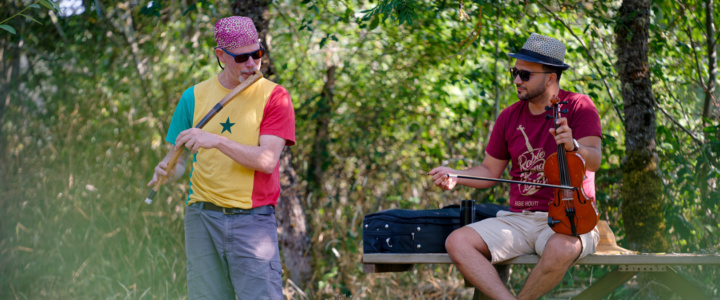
(542, 57)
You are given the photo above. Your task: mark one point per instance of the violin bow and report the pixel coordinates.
(565, 187)
(178, 150)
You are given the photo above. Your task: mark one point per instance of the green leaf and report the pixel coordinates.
(374, 23)
(31, 18)
(47, 4)
(190, 8)
(34, 5)
(323, 41)
(8, 28)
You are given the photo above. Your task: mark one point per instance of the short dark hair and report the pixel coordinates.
(552, 69)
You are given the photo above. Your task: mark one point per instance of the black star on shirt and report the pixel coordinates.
(226, 126)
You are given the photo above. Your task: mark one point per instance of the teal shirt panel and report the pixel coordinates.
(182, 119)
(183, 116)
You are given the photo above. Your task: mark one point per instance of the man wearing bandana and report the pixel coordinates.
(523, 135)
(230, 229)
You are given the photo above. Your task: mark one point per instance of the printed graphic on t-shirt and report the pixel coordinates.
(532, 167)
(227, 126)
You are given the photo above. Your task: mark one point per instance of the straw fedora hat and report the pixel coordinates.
(544, 50)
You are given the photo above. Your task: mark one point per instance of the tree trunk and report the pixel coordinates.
(257, 10)
(642, 186)
(320, 155)
(712, 58)
(704, 164)
(292, 224)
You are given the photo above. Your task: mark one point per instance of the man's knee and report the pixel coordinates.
(465, 239)
(563, 248)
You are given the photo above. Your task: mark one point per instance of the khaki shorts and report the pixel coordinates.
(510, 235)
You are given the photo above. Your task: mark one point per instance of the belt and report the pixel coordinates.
(261, 210)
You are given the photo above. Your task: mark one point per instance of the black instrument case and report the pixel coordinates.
(417, 231)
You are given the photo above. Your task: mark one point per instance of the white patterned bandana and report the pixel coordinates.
(235, 32)
(543, 49)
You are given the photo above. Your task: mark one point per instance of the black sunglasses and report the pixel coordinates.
(524, 75)
(243, 57)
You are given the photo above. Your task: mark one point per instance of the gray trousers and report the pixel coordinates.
(232, 256)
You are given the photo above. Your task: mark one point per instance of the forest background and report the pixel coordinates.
(383, 90)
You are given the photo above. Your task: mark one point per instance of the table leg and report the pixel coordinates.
(606, 284)
(678, 284)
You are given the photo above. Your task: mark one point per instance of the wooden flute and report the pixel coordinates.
(177, 151)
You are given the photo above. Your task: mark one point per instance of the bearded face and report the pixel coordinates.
(528, 91)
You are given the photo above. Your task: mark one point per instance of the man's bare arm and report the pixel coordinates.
(491, 167)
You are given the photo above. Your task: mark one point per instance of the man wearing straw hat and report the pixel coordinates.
(230, 229)
(523, 135)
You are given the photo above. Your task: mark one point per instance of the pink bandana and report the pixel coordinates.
(235, 32)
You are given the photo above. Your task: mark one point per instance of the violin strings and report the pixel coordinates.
(564, 174)
(562, 161)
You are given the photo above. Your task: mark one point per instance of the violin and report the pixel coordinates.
(571, 212)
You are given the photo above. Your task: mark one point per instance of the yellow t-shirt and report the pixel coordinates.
(264, 108)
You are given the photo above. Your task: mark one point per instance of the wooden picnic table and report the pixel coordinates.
(629, 263)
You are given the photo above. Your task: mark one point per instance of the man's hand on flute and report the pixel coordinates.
(195, 138)
(176, 172)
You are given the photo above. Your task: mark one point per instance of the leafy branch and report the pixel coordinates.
(475, 33)
(591, 59)
(405, 10)
(48, 4)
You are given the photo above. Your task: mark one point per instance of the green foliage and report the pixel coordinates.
(81, 130)
(48, 4)
(82, 124)
(402, 10)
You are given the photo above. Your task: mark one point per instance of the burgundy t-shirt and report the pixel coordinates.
(522, 137)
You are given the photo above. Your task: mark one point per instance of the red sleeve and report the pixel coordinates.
(279, 116)
(585, 120)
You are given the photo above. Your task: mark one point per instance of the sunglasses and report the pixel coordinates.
(524, 75)
(243, 57)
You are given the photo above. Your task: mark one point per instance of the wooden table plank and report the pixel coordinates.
(406, 258)
(652, 259)
(394, 262)
(631, 259)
